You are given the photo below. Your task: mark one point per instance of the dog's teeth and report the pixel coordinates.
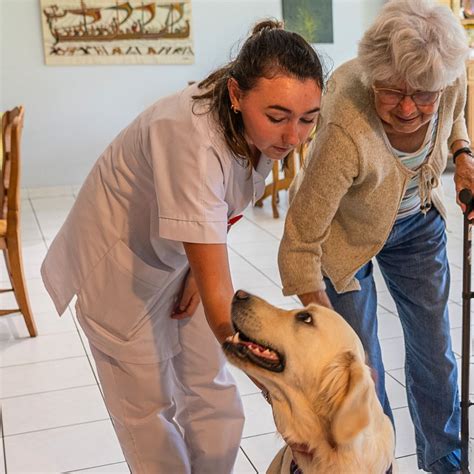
(270, 354)
(235, 338)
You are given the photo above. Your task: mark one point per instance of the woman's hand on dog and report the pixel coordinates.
(188, 300)
(318, 297)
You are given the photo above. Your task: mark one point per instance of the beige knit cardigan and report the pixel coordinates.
(353, 184)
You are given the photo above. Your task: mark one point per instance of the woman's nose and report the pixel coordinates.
(291, 136)
(407, 105)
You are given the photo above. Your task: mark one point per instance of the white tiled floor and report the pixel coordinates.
(53, 418)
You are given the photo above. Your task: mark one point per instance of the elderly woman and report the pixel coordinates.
(373, 189)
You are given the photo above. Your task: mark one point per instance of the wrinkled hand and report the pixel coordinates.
(189, 299)
(464, 178)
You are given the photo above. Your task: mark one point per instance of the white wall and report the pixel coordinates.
(73, 112)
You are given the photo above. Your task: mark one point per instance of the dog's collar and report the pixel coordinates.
(294, 469)
(302, 450)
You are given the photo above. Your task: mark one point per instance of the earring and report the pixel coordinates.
(234, 109)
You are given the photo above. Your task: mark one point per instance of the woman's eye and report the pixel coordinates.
(308, 121)
(306, 318)
(274, 119)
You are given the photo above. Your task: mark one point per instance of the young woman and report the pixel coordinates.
(146, 239)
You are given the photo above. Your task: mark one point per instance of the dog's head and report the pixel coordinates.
(313, 365)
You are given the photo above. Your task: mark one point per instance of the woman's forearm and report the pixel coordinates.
(210, 266)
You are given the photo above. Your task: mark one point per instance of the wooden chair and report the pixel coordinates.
(10, 242)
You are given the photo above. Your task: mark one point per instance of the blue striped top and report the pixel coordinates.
(411, 201)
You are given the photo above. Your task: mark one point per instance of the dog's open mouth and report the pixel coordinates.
(244, 348)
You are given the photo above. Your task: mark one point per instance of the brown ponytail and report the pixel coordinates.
(270, 24)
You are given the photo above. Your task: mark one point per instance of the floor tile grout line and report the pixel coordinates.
(3, 440)
(248, 459)
(100, 420)
(43, 392)
(54, 333)
(38, 222)
(251, 394)
(95, 467)
(41, 361)
(406, 456)
(396, 380)
(389, 338)
(400, 408)
(71, 194)
(261, 434)
(394, 368)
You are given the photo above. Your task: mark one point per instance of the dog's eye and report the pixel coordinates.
(305, 318)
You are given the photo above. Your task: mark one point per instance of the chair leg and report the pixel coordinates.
(18, 282)
(7, 265)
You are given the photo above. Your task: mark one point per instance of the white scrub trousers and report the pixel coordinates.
(182, 415)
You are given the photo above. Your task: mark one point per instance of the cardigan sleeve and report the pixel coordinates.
(332, 170)
(459, 130)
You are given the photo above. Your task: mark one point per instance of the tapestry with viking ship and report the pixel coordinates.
(117, 32)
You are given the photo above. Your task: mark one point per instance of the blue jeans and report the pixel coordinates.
(415, 268)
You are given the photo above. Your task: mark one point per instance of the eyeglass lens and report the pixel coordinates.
(391, 97)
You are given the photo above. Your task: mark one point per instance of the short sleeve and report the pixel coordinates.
(189, 178)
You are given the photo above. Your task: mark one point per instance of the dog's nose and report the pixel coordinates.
(241, 295)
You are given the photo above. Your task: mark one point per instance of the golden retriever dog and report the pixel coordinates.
(322, 393)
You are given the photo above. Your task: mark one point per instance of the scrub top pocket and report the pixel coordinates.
(120, 291)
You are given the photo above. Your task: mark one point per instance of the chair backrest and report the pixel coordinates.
(12, 127)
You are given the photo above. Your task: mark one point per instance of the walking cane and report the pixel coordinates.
(465, 196)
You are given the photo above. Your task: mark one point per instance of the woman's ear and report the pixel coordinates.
(234, 92)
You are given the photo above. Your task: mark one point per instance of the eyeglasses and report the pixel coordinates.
(394, 97)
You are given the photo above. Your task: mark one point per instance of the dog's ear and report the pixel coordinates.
(353, 413)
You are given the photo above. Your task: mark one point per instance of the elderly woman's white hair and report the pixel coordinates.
(416, 42)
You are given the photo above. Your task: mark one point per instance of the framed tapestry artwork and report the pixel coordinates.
(312, 19)
(117, 32)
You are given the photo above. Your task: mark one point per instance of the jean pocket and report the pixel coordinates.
(120, 291)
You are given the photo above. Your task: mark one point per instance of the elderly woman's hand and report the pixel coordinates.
(318, 297)
(464, 177)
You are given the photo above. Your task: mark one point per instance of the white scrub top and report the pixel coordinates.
(167, 178)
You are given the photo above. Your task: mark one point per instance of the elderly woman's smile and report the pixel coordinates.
(402, 109)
